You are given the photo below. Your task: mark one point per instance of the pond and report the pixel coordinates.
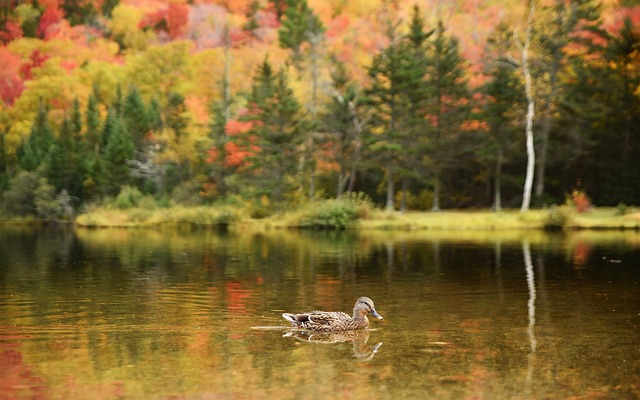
(187, 313)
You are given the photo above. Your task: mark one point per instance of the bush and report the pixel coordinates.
(557, 218)
(337, 214)
(128, 197)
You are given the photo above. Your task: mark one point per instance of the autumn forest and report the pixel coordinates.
(415, 105)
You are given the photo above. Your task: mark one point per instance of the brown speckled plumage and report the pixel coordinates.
(329, 321)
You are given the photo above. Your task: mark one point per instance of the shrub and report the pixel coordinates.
(622, 209)
(557, 218)
(128, 197)
(337, 214)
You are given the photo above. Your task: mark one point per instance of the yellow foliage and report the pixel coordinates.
(124, 27)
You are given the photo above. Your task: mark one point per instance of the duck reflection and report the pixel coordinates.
(361, 350)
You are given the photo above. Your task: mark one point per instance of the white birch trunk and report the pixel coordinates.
(531, 155)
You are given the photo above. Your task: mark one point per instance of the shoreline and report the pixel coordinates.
(454, 220)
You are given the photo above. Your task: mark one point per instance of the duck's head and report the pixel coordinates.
(365, 306)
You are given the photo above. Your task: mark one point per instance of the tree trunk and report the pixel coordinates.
(497, 190)
(390, 190)
(436, 191)
(531, 155)
(403, 202)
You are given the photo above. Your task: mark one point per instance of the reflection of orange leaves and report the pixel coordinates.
(16, 378)
(237, 297)
(581, 254)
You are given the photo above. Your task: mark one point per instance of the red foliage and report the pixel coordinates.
(177, 16)
(11, 31)
(11, 84)
(35, 60)
(49, 21)
(171, 20)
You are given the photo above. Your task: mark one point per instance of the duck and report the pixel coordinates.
(334, 321)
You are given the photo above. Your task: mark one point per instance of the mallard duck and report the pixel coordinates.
(330, 321)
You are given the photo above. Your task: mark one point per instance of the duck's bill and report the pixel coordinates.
(375, 314)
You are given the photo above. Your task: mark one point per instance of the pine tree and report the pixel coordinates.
(502, 111)
(118, 149)
(93, 124)
(136, 118)
(299, 25)
(277, 129)
(392, 76)
(35, 151)
(342, 122)
(66, 170)
(447, 108)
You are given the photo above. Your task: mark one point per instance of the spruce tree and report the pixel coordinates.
(447, 108)
(391, 75)
(343, 125)
(35, 150)
(136, 118)
(118, 149)
(66, 169)
(277, 128)
(93, 125)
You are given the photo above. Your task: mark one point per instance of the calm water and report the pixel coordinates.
(195, 314)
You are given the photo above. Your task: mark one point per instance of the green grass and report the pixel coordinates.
(343, 214)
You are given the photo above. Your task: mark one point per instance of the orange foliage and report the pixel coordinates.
(11, 85)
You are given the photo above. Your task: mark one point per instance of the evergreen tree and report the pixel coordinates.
(35, 151)
(66, 169)
(136, 118)
(601, 99)
(92, 120)
(340, 119)
(447, 108)
(176, 118)
(277, 118)
(119, 148)
(299, 25)
(502, 111)
(391, 73)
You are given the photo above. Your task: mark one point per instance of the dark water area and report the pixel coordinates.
(184, 313)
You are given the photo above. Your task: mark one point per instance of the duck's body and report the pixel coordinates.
(330, 321)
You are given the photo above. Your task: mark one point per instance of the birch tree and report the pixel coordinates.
(531, 154)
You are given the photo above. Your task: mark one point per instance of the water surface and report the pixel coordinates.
(195, 314)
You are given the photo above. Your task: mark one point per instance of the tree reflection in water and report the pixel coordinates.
(361, 350)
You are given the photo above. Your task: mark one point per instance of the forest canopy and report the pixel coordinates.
(271, 103)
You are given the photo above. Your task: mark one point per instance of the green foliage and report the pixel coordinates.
(557, 218)
(337, 214)
(128, 197)
(18, 200)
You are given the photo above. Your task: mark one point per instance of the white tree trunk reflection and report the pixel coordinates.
(531, 306)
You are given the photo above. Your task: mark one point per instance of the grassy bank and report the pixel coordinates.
(348, 215)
